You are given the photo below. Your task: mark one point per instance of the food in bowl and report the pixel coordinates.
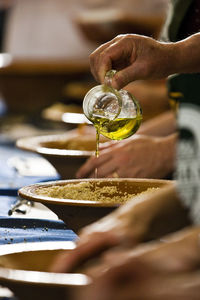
(77, 213)
(83, 143)
(89, 191)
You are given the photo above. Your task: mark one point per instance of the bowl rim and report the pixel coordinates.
(33, 144)
(40, 278)
(27, 192)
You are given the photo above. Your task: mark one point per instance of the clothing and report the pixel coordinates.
(184, 21)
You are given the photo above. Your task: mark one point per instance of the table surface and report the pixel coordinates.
(31, 223)
(35, 223)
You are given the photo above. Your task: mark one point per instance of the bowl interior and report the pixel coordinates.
(90, 192)
(32, 256)
(24, 269)
(66, 152)
(86, 143)
(30, 260)
(80, 139)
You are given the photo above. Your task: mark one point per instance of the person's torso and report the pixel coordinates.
(185, 21)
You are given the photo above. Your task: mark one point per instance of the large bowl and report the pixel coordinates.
(79, 213)
(102, 25)
(66, 152)
(24, 269)
(28, 86)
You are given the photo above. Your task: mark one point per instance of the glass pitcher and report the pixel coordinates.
(115, 114)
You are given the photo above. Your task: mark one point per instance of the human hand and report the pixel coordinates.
(147, 216)
(153, 271)
(139, 157)
(185, 286)
(134, 57)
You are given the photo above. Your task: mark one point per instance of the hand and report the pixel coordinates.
(134, 57)
(184, 286)
(153, 271)
(147, 216)
(139, 157)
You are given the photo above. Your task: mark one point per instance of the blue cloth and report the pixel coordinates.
(10, 181)
(16, 230)
(6, 202)
(19, 230)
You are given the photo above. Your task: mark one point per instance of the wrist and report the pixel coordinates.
(186, 57)
(167, 151)
(171, 58)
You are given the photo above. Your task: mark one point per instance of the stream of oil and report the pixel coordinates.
(97, 147)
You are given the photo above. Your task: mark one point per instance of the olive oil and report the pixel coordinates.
(118, 129)
(97, 149)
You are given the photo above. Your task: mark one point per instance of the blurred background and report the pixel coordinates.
(46, 45)
(44, 60)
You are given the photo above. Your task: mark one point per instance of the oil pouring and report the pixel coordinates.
(115, 114)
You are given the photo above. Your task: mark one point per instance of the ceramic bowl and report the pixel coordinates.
(24, 269)
(102, 25)
(55, 112)
(79, 213)
(66, 152)
(28, 86)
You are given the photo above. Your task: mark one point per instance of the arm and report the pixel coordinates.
(162, 125)
(140, 57)
(187, 59)
(151, 271)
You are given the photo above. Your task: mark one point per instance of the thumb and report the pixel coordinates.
(131, 73)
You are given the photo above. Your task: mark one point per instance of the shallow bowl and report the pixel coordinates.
(79, 213)
(24, 269)
(64, 151)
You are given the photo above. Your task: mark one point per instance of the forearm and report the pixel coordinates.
(188, 240)
(167, 152)
(168, 215)
(183, 56)
(162, 125)
(153, 215)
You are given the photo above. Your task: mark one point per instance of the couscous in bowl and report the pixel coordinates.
(80, 202)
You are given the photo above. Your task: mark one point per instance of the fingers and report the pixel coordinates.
(110, 58)
(175, 287)
(116, 54)
(94, 60)
(88, 169)
(116, 283)
(105, 168)
(128, 74)
(86, 249)
(108, 145)
(114, 174)
(133, 56)
(142, 283)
